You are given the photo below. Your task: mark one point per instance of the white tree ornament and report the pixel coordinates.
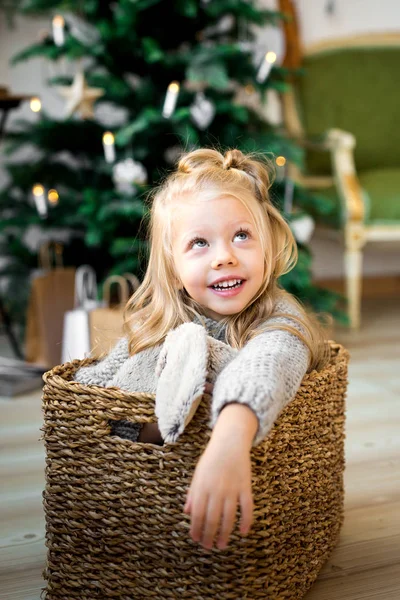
(80, 97)
(128, 172)
(303, 228)
(172, 154)
(84, 32)
(202, 111)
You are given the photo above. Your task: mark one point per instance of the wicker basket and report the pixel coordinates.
(115, 526)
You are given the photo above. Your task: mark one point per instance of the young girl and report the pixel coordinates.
(217, 249)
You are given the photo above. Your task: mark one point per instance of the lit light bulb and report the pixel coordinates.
(266, 66)
(280, 168)
(53, 196)
(35, 104)
(174, 87)
(108, 138)
(109, 147)
(38, 190)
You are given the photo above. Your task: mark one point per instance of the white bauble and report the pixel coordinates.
(303, 228)
(225, 24)
(171, 155)
(202, 111)
(83, 31)
(128, 172)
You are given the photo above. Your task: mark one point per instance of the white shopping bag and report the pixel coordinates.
(76, 342)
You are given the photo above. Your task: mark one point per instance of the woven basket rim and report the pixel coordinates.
(56, 377)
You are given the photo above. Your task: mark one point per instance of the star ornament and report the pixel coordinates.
(80, 97)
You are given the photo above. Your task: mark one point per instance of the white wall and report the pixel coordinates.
(348, 17)
(28, 77)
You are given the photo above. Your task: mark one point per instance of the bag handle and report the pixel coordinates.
(135, 283)
(123, 288)
(45, 257)
(85, 287)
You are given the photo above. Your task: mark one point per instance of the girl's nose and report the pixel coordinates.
(224, 258)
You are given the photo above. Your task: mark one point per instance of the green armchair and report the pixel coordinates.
(344, 109)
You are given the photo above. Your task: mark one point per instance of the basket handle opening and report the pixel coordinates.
(146, 433)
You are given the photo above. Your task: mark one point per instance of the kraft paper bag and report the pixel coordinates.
(106, 323)
(51, 295)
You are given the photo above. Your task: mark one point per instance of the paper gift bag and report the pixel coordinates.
(51, 295)
(76, 342)
(106, 323)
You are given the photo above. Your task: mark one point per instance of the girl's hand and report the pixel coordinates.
(222, 479)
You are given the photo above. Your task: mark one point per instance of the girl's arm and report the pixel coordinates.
(249, 394)
(236, 422)
(222, 479)
(264, 376)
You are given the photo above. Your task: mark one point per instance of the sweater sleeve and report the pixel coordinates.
(265, 375)
(101, 372)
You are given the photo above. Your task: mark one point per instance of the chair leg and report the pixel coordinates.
(353, 271)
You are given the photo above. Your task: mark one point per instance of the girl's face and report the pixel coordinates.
(215, 242)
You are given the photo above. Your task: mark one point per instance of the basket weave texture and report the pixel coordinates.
(115, 526)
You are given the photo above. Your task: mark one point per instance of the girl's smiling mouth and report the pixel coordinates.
(228, 288)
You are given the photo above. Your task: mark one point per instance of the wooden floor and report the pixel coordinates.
(366, 563)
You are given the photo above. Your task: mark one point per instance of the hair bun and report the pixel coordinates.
(198, 159)
(233, 159)
(184, 165)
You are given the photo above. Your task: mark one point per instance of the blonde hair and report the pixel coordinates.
(159, 305)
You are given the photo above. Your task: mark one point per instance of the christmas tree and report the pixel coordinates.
(178, 75)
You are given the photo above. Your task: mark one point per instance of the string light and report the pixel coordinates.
(58, 30)
(53, 197)
(108, 146)
(170, 99)
(35, 104)
(266, 66)
(40, 200)
(280, 170)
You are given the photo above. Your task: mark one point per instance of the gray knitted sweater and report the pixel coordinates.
(264, 375)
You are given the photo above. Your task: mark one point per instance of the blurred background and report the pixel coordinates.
(97, 102)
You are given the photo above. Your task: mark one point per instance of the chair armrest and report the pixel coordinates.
(342, 144)
(311, 182)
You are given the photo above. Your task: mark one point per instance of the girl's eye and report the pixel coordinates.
(243, 232)
(196, 241)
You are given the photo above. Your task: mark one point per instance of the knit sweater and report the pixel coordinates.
(264, 375)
